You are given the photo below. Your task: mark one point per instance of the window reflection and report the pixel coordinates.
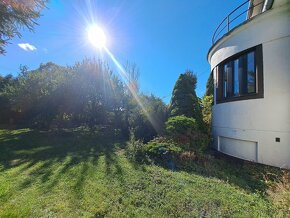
(225, 76)
(237, 77)
(251, 73)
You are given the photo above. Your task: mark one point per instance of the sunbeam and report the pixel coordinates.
(124, 75)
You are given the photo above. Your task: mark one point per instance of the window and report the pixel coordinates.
(240, 77)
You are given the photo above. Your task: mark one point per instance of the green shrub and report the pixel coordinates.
(135, 149)
(162, 146)
(185, 131)
(163, 151)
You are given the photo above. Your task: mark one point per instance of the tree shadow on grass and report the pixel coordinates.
(47, 155)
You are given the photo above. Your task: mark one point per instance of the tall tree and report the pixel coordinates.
(207, 103)
(133, 76)
(209, 85)
(16, 14)
(184, 100)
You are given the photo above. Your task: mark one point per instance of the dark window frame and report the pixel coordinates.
(258, 62)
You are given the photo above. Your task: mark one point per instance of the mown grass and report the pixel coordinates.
(74, 173)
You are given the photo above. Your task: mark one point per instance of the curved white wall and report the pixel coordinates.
(248, 128)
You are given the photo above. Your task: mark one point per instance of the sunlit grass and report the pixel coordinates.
(80, 174)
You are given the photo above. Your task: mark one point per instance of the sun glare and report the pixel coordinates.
(97, 36)
(98, 39)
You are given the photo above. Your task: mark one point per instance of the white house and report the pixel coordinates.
(250, 61)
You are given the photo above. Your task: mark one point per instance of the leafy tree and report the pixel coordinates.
(6, 83)
(15, 14)
(87, 94)
(207, 102)
(184, 100)
(32, 96)
(7, 80)
(133, 76)
(148, 122)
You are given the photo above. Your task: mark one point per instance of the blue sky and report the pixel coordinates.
(162, 37)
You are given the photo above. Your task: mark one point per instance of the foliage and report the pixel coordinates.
(163, 151)
(5, 111)
(8, 80)
(207, 102)
(210, 85)
(148, 121)
(133, 76)
(34, 96)
(72, 173)
(184, 100)
(162, 146)
(15, 15)
(180, 125)
(184, 130)
(85, 94)
(135, 150)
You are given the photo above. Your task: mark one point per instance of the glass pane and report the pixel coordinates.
(251, 71)
(236, 78)
(225, 80)
(243, 75)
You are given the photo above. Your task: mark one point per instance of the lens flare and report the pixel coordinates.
(97, 36)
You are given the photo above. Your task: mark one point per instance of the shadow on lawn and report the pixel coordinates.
(37, 152)
(47, 155)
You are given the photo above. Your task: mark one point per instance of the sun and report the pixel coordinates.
(97, 36)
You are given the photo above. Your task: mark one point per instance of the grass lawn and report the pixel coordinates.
(77, 174)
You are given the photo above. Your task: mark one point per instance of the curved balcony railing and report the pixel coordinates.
(235, 18)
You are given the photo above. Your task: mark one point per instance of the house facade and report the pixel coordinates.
(250, 62)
